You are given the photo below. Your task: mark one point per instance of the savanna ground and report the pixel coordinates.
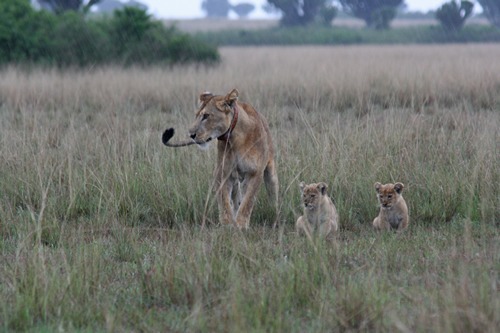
(100, 224)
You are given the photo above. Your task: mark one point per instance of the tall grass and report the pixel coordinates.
(99, 222)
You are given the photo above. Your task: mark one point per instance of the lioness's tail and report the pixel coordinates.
(168, 134)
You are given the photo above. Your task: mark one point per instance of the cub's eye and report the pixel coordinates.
(389, 196)
(205, 116)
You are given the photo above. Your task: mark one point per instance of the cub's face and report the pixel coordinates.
(388, 194)
(213, 118)
(312, 194)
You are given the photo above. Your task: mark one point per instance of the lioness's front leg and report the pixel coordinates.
(251, 184)
(224, 186)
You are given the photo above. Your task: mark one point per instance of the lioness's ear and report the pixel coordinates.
(232, 97)
(377, 186)
(301, 186)
(322, 188)
(399, 187)
(205, 97)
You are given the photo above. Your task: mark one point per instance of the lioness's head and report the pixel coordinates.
(312, 194)
(214, 117)
(388, 194)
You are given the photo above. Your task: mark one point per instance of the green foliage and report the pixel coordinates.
(327, 14)
(491, 9)
(382, 17)
(61, 6)
(452, 16)
(376, 14)
(69, 39)
(76, 43)
(14, 14)
(321, 35)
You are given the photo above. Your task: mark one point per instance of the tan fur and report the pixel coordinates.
(245, 155)
(320, 215)
(393, 210)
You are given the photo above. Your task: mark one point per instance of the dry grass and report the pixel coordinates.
(98, 221)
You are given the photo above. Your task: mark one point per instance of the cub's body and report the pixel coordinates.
(393, 212)
(320, 215)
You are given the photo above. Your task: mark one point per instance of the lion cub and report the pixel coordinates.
(320, 216)
(393, 211)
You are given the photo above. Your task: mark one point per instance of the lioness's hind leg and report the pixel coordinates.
(272, 186)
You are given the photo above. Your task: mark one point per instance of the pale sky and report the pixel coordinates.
(183, 9)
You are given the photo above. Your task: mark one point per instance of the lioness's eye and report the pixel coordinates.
(205, 116)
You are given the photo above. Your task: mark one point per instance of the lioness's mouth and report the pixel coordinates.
(201, 143)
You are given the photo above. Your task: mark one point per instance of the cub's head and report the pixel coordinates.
(214, 117)
(388, 194)
(312, 194)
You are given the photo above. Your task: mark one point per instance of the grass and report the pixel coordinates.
(347, 35)
(100, 224)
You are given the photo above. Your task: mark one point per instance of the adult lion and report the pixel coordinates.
(245, 153)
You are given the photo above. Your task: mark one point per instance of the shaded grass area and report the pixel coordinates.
(319, 35)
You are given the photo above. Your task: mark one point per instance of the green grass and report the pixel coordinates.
(320, 35)
(100, 224)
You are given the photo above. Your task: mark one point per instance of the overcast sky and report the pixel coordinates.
(179, 9)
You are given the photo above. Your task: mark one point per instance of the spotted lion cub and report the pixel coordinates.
(393, 211)
(320, 216)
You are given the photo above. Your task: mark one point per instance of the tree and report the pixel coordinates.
(243, 9)
(491, 9)
(452, 16)
(59, 6)
(298, 12)
(327, 14)
(216, 8)
(377, 14)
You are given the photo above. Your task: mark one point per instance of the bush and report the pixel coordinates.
(69, 39)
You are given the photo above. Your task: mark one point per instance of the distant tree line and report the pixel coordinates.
(66, 37)
(377, 14)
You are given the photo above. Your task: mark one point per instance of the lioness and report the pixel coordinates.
(393, 211)
(320, 216)
(245, 153)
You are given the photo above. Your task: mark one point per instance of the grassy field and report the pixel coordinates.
(100, 223)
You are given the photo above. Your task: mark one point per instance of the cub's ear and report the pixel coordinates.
(322, 188)
(399, 187)
(232, 97)
(301, 186)
(377, 187)
(205, 97)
